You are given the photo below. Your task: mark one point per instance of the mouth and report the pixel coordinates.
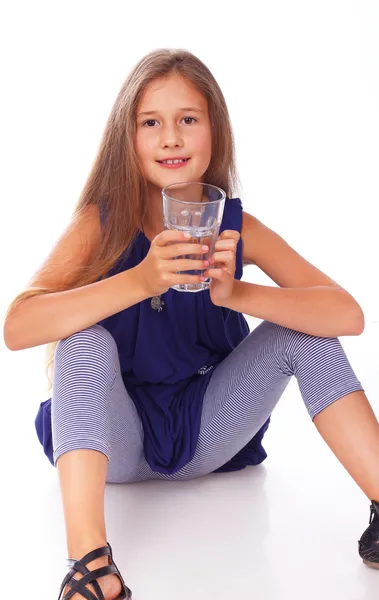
(173, 163)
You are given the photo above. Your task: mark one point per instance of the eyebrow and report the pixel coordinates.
(188, 108)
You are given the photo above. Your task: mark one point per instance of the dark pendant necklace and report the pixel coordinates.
(157, 303)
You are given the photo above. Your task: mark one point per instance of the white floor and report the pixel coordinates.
(286, 529)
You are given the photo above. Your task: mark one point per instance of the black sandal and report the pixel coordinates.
(78, 585)
(369, 542)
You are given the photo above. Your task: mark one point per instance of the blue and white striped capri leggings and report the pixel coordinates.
(92, 409)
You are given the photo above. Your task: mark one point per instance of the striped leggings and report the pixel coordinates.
(92, 409)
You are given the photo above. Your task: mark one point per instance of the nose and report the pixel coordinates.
(170, 137)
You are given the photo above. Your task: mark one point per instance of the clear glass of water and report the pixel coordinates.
(196, 208)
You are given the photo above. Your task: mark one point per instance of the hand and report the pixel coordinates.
(223, 267)
(158, 269)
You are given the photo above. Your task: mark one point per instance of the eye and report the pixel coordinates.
(149, 121)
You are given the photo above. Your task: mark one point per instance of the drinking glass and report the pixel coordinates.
(196, 208)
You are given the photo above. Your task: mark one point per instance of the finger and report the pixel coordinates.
(184, 264)
(226, 245)
(215, 273)
(230, 234)
(174, 250)
(169, 235)
(228, 256)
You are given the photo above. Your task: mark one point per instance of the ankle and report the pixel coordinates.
(79, 550)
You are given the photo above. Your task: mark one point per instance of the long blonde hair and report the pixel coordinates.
(116, 179)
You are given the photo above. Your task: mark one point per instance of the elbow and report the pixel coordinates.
(351, 314)
(10, 345)
(358, 321)
(10, 340)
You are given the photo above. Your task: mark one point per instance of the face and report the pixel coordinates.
(172, 123)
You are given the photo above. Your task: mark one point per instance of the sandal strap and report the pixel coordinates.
(98, 553)
(96, 574)
(85, 592)
(78, 585)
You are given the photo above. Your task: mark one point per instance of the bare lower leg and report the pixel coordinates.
(351, 430)
(82, 476)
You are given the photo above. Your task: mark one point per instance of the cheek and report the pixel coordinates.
(203, 143)
(143, 145)
(138, 145)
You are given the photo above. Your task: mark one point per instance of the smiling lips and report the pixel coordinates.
(173, 163)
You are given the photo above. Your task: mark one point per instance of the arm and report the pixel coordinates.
(325, 311)
(306, 300)
(49, 317)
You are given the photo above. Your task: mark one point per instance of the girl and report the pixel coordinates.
(177, 388)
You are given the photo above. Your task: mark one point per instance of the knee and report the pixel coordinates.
(92, 337)
(291, 346)
(292, 336)
(94, 345)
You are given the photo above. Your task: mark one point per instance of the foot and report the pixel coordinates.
(369, 542)
(110, 585)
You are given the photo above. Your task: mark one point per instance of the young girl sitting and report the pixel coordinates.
(151, 383)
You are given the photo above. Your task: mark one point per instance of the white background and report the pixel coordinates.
(301, 83)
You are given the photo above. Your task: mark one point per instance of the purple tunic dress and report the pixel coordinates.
(167, 359)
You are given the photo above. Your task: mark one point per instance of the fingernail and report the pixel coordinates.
(205, 248)
(187, 235)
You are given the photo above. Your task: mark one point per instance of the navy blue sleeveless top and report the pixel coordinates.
(167, 358)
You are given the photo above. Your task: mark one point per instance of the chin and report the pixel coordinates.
(178, 177)
(162, 177)
(170, 179)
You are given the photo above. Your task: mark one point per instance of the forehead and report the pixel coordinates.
(173, 92)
